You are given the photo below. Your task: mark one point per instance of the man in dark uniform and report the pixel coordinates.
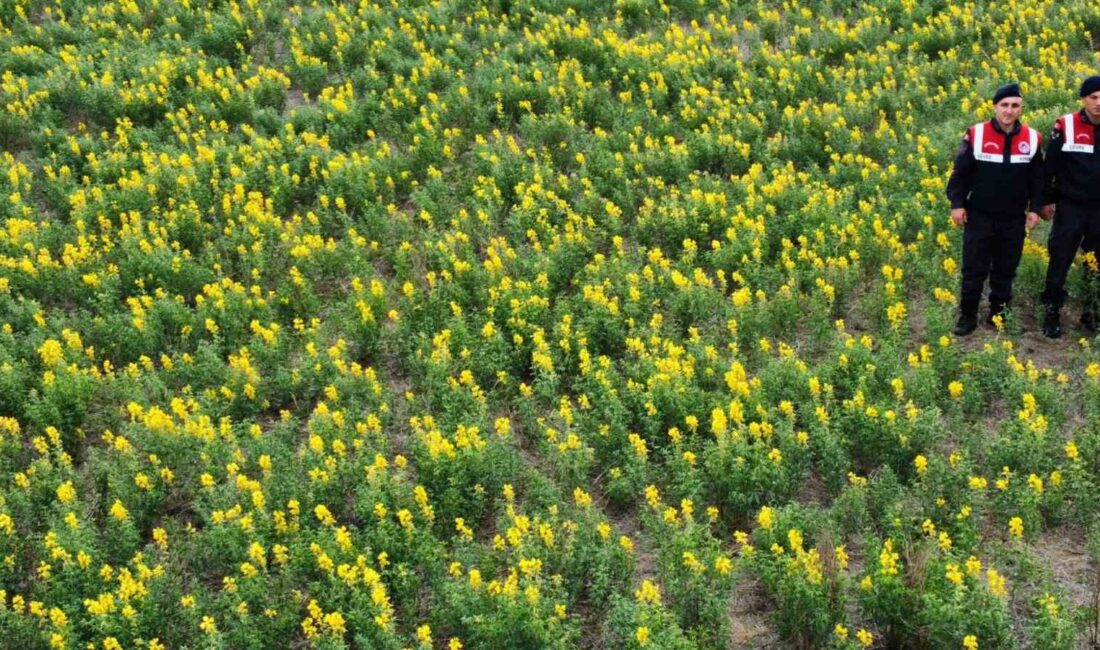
(997, 177)
(1072, 184)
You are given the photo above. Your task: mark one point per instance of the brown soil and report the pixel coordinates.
(750, 628)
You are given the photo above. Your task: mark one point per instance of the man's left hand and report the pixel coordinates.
(1032, 220)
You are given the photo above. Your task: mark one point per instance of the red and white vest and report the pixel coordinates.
(988, 144)
(1079, 134)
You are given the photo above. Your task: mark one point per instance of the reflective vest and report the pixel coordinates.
(1079, 134)
(988, 144)
(1074, 172)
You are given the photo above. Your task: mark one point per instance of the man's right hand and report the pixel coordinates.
(1047, 211)
(958, 216)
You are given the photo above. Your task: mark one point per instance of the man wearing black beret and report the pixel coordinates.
(996, 179)
(1072, 184)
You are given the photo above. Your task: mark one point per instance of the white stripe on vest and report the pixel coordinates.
(979, 146)
(1070, 144)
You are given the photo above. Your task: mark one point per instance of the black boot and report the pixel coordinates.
(1052, 323)
(996, 309)
(968, 319)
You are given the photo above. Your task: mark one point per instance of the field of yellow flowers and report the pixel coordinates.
(527, 324)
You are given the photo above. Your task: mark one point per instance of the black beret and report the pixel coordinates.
(1090, 85)
(1007, 90)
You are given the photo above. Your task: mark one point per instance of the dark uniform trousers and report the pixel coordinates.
(992, 245)
(1073, 227)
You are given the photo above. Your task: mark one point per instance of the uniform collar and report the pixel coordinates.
(1084, 117)
(998, 129)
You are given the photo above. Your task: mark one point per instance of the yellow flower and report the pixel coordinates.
(424, 635)
(954, 575)
(865, 638)
(888, 558)
(66, 492)
(841, 554)
(649, 593)
(955, 389)
(996, 583)
(324, 515)
(723, 565)
(921, 463)
(766, 518)
(896, 314)
(1016, 527)
(641, 635)
(208, 625)
(970, 642)
(118, 511)
(718, 423)
(334, 621)
(652, 496)
(51, 353)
